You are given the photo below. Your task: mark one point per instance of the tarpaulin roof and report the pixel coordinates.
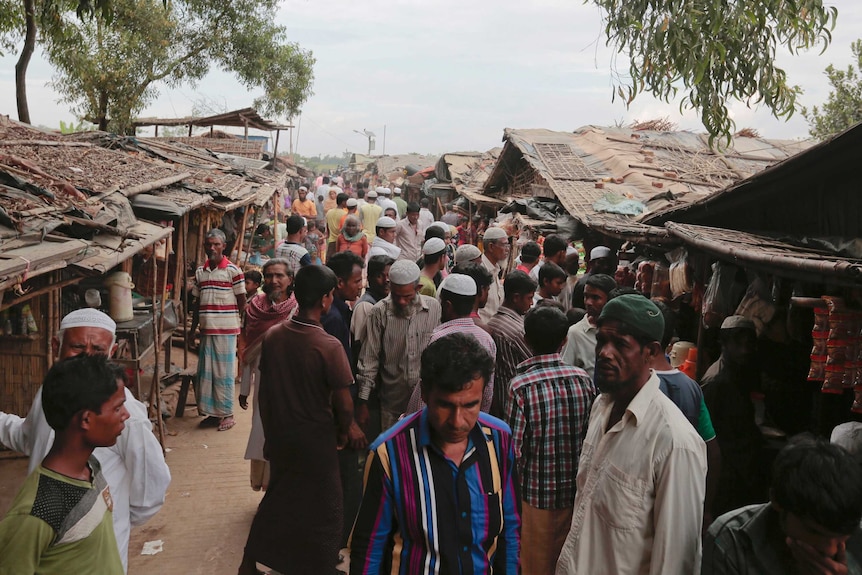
(246, 117)
(614, 177)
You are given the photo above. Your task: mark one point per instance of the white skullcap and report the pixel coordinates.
(371, 194)
(386, 191)
(599, 252)
(397, 191)
(495, 233)
(351, 203)
(301, 188)
(88, 317)
(459, 284)
(466, 253)
(433, 246)
(442, 225)
(404, 272)
(571, 251)
(385, 222)
(379, 189)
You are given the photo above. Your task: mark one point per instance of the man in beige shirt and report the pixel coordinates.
(642, 472)
(496, 244)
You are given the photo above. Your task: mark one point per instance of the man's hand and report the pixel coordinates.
(809, 561)
(362, 415)
(356, 437)
(243, 401)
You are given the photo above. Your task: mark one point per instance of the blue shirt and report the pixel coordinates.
(448, 518)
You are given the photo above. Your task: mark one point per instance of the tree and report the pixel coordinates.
(716, 50)
(108, 70)
(844, 106)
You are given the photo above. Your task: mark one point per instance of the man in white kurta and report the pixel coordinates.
(134, 467)
(642, 472)
(496, 244)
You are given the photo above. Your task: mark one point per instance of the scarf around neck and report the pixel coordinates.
(262, 314)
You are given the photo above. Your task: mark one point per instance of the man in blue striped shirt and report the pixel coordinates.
(439, 489)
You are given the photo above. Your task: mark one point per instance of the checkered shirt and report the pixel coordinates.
(548, 409)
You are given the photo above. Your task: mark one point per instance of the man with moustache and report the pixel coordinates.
(581, 339)
(642, 471)
(219, 293)
(134, 466)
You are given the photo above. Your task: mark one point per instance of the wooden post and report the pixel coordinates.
(155, 398)
(202, 225)
(275, 150)
(245, 133)
(182, 260)
(190, 130)
(240, 237)
(248, 252)
(157, 130)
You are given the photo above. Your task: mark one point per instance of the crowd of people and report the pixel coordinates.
(424, 402)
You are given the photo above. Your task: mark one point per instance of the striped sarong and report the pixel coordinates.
(216, 373)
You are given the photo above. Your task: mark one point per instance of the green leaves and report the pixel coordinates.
(715, 51)
(110, 70)
(844, 105)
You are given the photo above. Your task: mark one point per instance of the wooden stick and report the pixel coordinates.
(148, 186)
(692, 182)
(184, 227)
(240, 239)
(254, 225)
(40, 291)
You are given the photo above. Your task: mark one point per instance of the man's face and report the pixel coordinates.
(302, 195)
(522, 302)
(413, 217)
(276, 281)
(497, 250)
(352, 287)
(799, 529)
(102, 429)
(352, 228)
(381, 282)
(214, 248)
(604, 266)
(452, 415)
(402, 296)
(482, 297)
(89, 340)
(594, 301)
(739, 348)
(387, 234)
(554, 287)
(621, 362)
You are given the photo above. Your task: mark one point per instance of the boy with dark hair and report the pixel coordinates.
(548, 409)
(253, 281)
(810, 525)
(60, 521)
(552, 278)
(530, 253)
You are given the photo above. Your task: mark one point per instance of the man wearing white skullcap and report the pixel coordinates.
(467, 253)
(384, 240)
(369, 213)
(602, 261)
(426, 218)
(434, 259)
(457, 294)
(496, 243)
(383, 199)
(134, 467)
(398, 331)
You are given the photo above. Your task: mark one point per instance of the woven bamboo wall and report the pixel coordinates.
(24, 362)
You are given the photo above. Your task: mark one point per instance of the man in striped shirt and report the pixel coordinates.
(548, 409)
(507, 329)
(219, 289)
(439, 490)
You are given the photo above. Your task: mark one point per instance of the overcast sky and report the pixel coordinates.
(450, 75)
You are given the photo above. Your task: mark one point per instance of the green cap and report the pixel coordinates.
(636, 312)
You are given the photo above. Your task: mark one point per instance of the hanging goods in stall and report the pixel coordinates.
(120, 288)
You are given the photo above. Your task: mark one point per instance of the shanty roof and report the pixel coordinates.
(234, 145)
(246, 117)
(387, 165)
(467, 173)
(613, 178)
(814, 193)
(771, 253)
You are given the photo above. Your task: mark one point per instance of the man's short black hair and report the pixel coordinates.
(551, 271)
(254, 276)
(341, 198)
(530, 252)
(75, 384)
(601, 282)
(820, 482)
(412, 208)
(343, 263)
(545, 328)
(376, 265)
(360, 193)
(453, 361)
(553, 245)
(462, 305)
(518, 283)
(312, 283)
(435, 232)
(425, 202)
(478, 272)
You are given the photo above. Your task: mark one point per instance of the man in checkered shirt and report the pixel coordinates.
(548, 408)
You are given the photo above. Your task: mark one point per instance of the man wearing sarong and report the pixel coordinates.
(275, 305)
(219, 290)
(307, 414)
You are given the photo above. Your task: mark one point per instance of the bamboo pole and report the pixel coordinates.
(156, 184)
(240, 237)
(184, 227)
(155, 399)
(248, 252)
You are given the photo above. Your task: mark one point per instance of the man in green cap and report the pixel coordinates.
(642, 471)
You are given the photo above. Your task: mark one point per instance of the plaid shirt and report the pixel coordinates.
(548, 409)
